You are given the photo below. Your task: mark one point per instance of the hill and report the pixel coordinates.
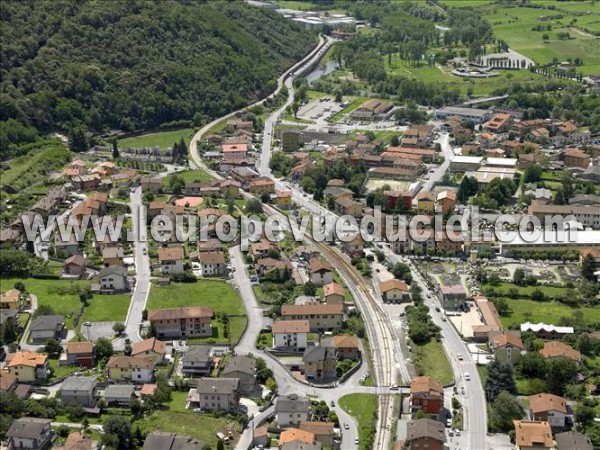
(136, 65)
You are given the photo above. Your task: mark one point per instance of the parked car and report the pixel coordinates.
(346, 426)
(467, 376)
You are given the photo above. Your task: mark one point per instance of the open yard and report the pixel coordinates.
(60, 295)
(363, 408)
(189, 176)
(164, 139)
(106, 308)
(548, 312)
(526, 291)
(430, 359)
(215, 294)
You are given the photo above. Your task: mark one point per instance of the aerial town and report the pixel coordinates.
(300, 225)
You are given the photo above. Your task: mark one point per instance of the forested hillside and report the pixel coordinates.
(135, 65)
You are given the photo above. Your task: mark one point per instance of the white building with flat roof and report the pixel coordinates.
(501, 162)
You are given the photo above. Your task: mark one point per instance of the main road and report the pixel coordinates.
(473, 400)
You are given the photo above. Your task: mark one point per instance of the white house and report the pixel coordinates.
(114, 278)
(291, 409)
(321, 272)
(171, 260)
(212, 263)
(290, 334)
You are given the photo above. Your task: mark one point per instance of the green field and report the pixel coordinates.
(465, 3)
(61, 295)
(190, 176)
(177, 419)
(363, 407)
(514, 25)
(430, 359)
(106, 308)
(548, 312)
(164, 139)
(218, 295)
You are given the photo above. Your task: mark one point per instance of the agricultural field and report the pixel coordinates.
(190, 176)
(548, 312)
(163, 139)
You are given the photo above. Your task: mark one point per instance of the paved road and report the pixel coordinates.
(474, 407)
(448, 152)
(142, 270)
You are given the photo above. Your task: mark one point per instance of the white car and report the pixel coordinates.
(346, 426)
(467, 376)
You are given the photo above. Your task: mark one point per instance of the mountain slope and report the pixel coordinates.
(137, 65)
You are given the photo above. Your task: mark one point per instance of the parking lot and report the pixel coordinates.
(319, 109)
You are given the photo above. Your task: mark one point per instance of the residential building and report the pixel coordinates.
(112, 256)
(152, 348)
(8, 320)
(556, 349)
(470, 114)
(546, 331)
(216, 394)
(29, 433)
(79, 354)
(506, 345)
(114, 279)
(184, 322)
(346, 346)
(10, 299)
(119, 394)
(296, 435)
(244, 369)
(499, 123)
(158, 440)
(262, 185)
(197, 361)
(425, 202)
(333, 293)
(427, 395)
(425, 434)
(299, 445)
(453, 297)
(319, 363)
(465, 163)
(588, 216)
(348, 207)
(394, 291)
(79, 391)
(446, 200)
(65, 248)
(321, 317)
(533, 435)
(548, 408)
(291, 409)
(321, 272)
(74, 265)
(290, 334)
(212, 264)
(574, 157)
(354, 248)
(47, 327)
(130, 368)
(572, 440)
(322, 431)
(171, 259)
(8, 382)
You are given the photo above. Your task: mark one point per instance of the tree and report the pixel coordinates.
(395, 141)
(176, 184)
(584, 415)
(519, 276)
(419, 333)
(588, 267)
(532, 365)
(254, 206)
(533, 174)
(103, 349)
(120, 427)
(561, 371)
(500, 378)
(115, 149)
(119, 328)
(53, 348)
(265, 197)
(310, 289)
(502, 307)
(505, 409)
(182, 149)
(77, 139)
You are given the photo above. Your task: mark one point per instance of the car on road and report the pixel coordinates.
(356, 441)
(460, 357)
(332, 404)
(437, 308)
(448, 422)
(467, 376)
(457, 432)
(444, 318)
(394, 387)
(346, 426)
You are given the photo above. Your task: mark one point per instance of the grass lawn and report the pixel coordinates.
(216, 294)
(203, 427)
(60, 371)
(430, 359)
(526, 291)
(104, 308)
(164, 139)
(190, 176)
(61, 295)
(363, 407)
(354, 103)
(23, 319)
(548, 312)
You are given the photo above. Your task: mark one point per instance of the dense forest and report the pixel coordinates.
(137, 65)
